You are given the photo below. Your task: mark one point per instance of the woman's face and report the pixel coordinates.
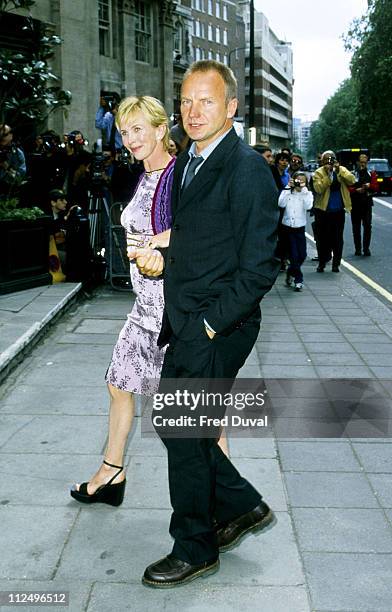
(140, 137)
(282, 164)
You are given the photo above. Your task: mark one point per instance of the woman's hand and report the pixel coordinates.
(160, 240)
(149, 261)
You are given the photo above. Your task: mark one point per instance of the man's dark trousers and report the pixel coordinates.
(204, 484)
(331, 226)
(361, 215)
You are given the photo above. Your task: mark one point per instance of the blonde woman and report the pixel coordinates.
(137, 361)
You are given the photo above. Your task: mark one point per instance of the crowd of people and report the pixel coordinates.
(328, 194)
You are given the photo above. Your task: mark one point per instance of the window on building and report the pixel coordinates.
(198, 54)
(217, 9)
(210, 36)
(178, 38)
(202, 30)
(217, 35)
(225, 17)
(210, 8)
(225, 37)
(226, 59)
(210, 54)
(142, 31)
(218, 57)
(105, 27)
(197, 4)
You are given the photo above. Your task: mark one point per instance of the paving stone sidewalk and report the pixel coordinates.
(331, 549)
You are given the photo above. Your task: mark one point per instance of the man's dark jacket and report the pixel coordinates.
(221, 258)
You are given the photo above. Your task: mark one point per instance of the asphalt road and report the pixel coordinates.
(379, 266)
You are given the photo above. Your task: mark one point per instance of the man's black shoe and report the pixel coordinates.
(254, 521)
(171, 572)
(358, 253)
(335, 268)
(367, 253)
(320, 268)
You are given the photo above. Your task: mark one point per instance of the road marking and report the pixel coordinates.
(366, 279)
(386, 204)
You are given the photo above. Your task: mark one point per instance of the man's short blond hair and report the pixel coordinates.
(224, 71)
(151, 108)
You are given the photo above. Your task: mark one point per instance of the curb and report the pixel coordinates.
(14, 354)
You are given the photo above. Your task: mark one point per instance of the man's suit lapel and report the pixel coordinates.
(208, 173)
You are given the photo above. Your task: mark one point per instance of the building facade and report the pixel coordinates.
(122, 46)
(273, 81)
(135, 47)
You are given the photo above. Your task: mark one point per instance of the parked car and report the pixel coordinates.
(311, 165)
(384, 174)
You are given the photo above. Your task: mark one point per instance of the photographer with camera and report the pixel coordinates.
(105, 120)
(70, 230)
(12, 162)
(296, 200)
(331, 184)
(46, 166)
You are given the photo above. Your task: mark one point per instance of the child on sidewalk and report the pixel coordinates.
(296, 199)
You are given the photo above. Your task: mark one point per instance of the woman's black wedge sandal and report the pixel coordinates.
(108, 493)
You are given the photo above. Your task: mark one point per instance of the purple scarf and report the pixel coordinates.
(161, 218)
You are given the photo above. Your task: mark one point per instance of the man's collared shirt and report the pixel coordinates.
(204, 154)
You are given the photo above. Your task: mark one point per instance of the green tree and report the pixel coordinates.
(336, 127)
(29, 90)
(370, 39)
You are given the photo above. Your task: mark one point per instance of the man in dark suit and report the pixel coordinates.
(219, 264)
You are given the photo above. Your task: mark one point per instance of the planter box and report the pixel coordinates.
(24, 254)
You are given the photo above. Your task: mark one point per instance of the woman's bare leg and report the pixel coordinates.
(223, 443)
(122, 408)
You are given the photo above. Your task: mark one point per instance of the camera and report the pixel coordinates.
(297, 182)
(125, 157)
(111, 102)
(97, 167)
(331, 160)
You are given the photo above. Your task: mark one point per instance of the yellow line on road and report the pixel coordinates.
(366, 279)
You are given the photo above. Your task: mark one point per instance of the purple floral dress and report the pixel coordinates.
(137, 361)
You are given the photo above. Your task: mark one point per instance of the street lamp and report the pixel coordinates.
(238, 49)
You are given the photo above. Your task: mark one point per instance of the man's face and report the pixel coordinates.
(268, 157)
(363, 160)
(295, 163)
(59, 205)
(328, 161)
(205, 113)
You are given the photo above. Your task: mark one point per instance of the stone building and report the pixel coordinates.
(273, 81)
(124, 46)
(136, 47)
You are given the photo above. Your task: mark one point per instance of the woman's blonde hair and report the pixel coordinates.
(151, 108)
